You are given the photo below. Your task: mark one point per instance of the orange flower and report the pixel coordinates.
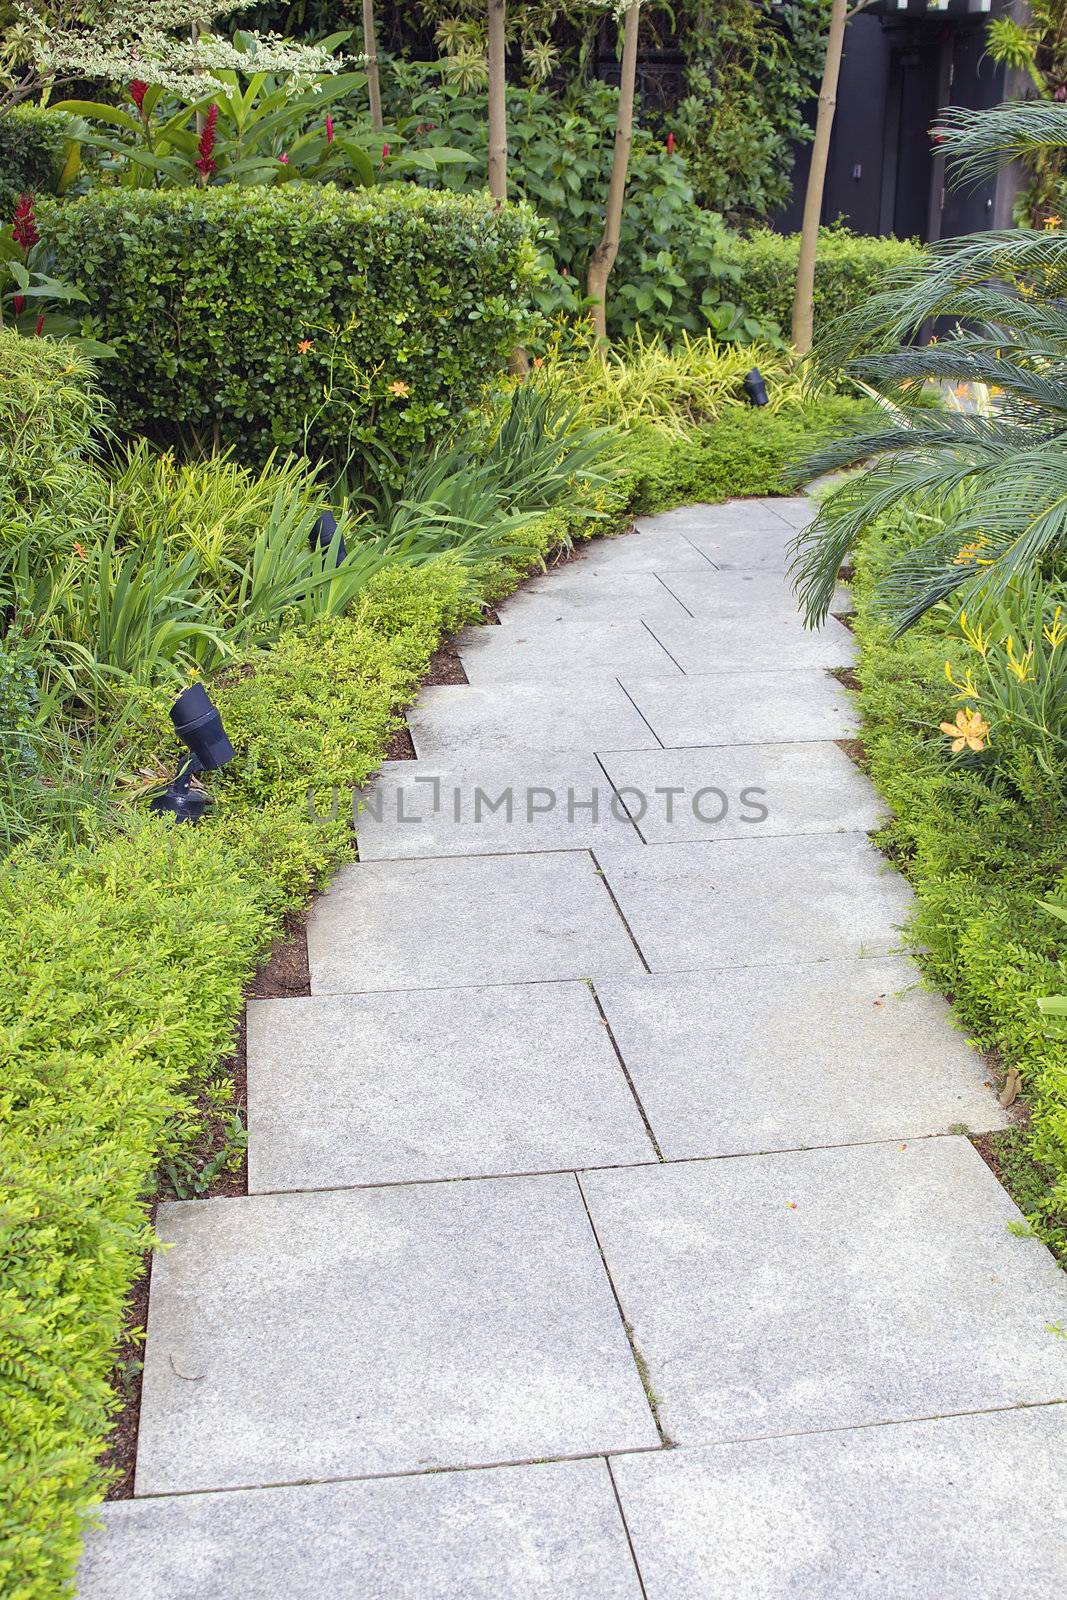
(80, 551)
(967, 732)
(399, 387)
(304, 346)
(539, 361)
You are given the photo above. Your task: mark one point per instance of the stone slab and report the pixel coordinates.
(461, 920)
(445, 1083)
(572, 591)
(760, 547)
(509, 803)
(827, 1288)
(743, 791)
(758, 902)
(725, 516)
(455, 719)
(743, 592)
(749, 642)
(742, 708)
(784, 1058)
(545, 1532)
(579, 649)
(367, 1331)
(798, 510)
(644, 551)
(964, 1508)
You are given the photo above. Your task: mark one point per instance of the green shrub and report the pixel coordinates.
(745, 452)
(849, 268)
(48, 414)
(232, 311)
(980, 860)
(34, 149)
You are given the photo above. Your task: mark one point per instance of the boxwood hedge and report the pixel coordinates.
(297, 315)
(849, 268)
(34, 146)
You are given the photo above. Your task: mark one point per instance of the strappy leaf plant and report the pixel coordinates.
(991, 465)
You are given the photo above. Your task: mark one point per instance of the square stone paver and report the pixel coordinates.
(743, 791)
(778, 1058)
(741, 708)
(442, 1083)
(825, 1288)
(647, 550)
(964, 1508)
(742, 903)
(798, 510)
(577, 650)
(774, 641)
(455, 719)
(488, 803)
(725, 516)
(459, 920)
(756, 594)
(571, 592)
(369, 1331)
(429, 924)
(546, 1532)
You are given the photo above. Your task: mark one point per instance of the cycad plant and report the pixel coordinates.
(993, 467)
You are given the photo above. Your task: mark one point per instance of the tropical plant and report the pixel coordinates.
(29, 292)
(672, 270)
(171, 45)
(1033, 40)
(999, 470)
(1012, 689)
(250, 128)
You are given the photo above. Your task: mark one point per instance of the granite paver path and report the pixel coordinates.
(613, 1231)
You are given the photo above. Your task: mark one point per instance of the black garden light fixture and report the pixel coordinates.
(323, 534)
(199, 726)
(755, 388)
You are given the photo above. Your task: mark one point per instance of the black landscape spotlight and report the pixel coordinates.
(323, 534)
(199, 726)
(755, 388)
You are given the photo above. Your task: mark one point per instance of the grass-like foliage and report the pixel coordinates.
(997, 473)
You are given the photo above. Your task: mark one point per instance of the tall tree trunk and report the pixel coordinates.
(603, 257)
(370, 50)
(498, 123)
(804, 297)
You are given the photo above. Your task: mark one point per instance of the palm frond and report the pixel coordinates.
(980, 143)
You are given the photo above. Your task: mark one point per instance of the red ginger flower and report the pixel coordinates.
(385, 152)
(19, 303)
(670, 144)
(329, 128)
(204, 164)
(138, 89)
(24, 223)
(40, 326)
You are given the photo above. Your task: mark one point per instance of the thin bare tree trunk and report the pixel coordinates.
(498, 121)
(603, 257)
(803, 323)
(374, 82)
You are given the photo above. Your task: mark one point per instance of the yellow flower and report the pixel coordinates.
(974, 634)
(1021, 668)
(399, 387)
(968, 731)
(1052, 223)
(968, 553)
(1054, 632)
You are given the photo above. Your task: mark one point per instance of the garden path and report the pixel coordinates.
(611, 1230)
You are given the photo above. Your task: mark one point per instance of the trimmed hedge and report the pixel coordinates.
(299, 315)
(849, 268)
(34, 146)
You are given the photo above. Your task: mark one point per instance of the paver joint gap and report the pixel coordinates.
(626, 1074)
(602, 875)
(626, 1528)
(638, 1358)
